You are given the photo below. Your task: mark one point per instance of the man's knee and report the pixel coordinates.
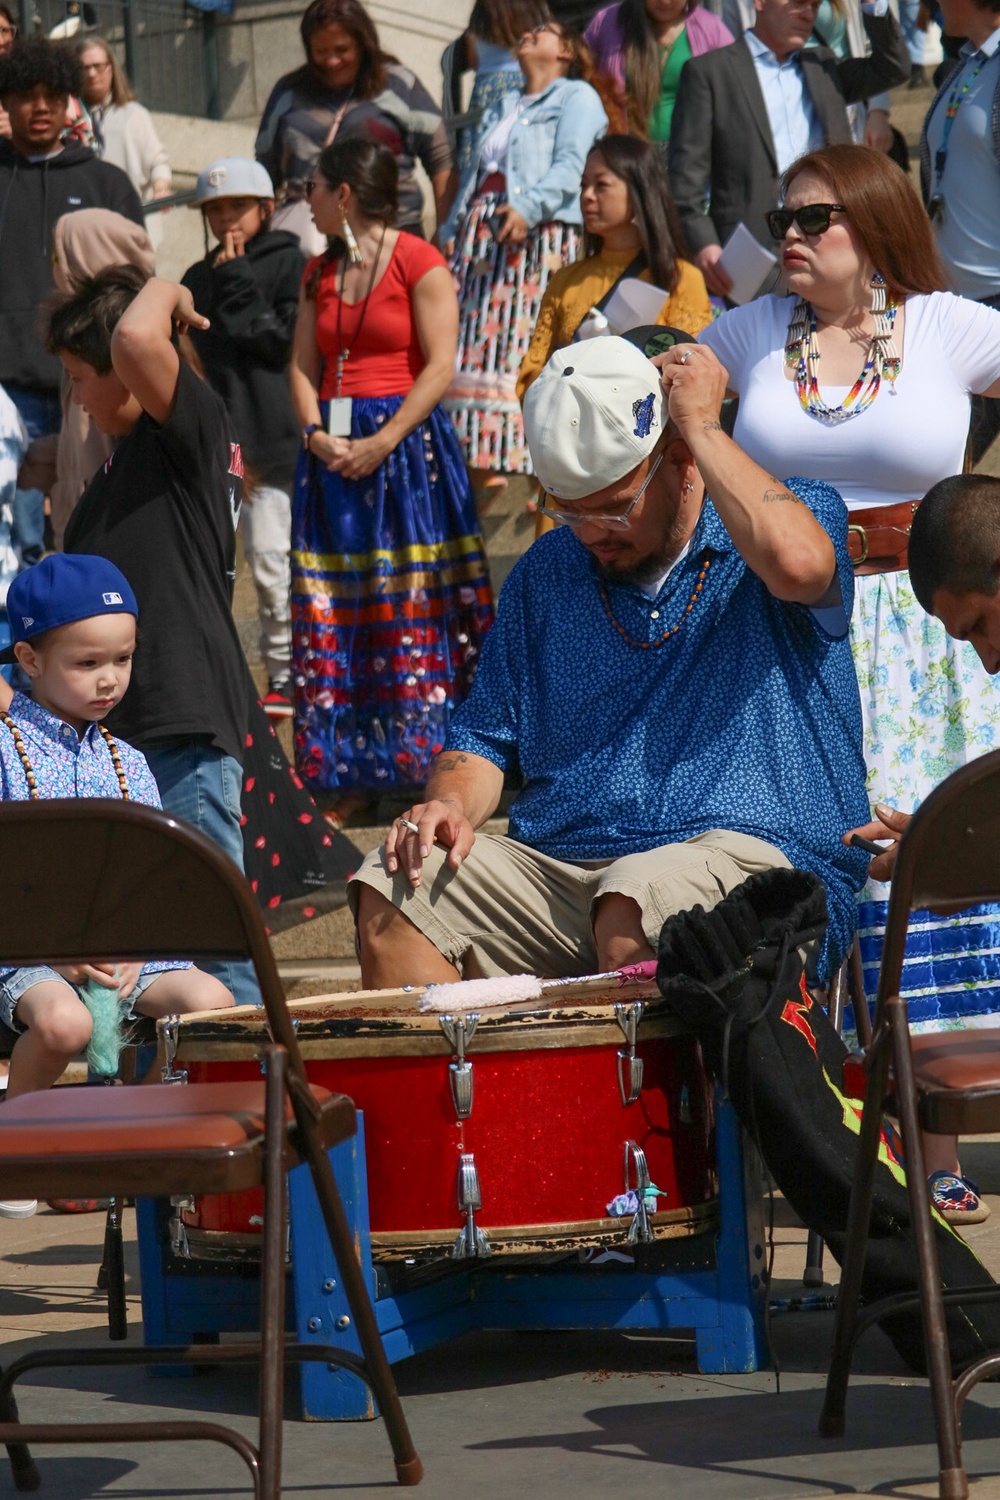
(618, 931)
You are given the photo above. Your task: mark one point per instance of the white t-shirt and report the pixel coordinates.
(900, 445)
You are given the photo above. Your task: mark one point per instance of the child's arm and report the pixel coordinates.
(142, 349)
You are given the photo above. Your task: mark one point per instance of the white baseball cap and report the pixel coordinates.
(594, 413)
(232, 177)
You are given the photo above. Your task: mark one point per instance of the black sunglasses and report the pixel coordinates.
(812, 218)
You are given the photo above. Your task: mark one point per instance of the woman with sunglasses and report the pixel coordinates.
(862, 376)
(519, 223)
(390, 593)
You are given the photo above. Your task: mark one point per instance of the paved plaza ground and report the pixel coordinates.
(577, 1415)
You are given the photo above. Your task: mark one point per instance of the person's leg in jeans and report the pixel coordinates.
(267, 539)
(202, 785)
(41, 414)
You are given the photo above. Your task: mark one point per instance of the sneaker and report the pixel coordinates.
(277, 701)
(80, 1205)
(18, 1208)
(957, 1199)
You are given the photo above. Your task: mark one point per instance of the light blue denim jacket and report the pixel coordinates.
(547, 151)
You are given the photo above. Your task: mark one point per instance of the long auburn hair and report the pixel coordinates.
(642, 62)
(640, 167)
(582, 65)
(355, 20)
(887, 215)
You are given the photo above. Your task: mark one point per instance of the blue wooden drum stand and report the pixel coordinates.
(715, 1284)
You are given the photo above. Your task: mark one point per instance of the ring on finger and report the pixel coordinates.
(685, 356)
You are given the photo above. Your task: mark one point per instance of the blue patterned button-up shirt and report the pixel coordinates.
(747, 719)
(67, 764)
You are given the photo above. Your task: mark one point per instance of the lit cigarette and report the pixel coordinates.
(407, 823)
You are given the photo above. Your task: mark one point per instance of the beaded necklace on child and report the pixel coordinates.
(29, 773)
(108, 1034)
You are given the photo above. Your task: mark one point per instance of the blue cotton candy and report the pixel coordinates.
(108, 1036)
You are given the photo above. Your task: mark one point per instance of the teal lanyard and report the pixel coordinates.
(955, 101)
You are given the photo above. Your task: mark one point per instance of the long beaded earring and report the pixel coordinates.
(354, 254)
(887, 355)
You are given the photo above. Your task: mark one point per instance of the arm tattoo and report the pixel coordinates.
(712, 427)
(450, 762)
(769, 497)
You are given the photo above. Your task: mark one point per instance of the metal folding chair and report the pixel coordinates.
(945, 1083)
(94, 880)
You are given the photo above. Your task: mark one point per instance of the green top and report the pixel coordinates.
(672, 59)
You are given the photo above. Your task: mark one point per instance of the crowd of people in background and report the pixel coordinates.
(353, 360)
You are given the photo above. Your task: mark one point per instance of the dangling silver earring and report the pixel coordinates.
(354, 254)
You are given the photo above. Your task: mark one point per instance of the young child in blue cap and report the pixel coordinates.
(73, 630)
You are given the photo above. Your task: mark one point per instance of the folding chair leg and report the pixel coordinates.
(831, 1422)
(25, 1474)
(113, 1266)
(409, 1469)
(272, 1280)
(951, 1478)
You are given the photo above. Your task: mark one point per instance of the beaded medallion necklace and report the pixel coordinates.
(671, 630)
(29, 774)
(883, 358)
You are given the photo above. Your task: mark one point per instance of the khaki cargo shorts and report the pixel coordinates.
(509, 910)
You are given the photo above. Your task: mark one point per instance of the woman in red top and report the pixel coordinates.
(390, 592)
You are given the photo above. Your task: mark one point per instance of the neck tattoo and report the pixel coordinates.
(671, 630)
(29, 774)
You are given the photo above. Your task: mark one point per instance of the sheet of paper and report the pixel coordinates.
(747, 263)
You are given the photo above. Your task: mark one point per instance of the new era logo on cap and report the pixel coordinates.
(27, 621)
(63, 588)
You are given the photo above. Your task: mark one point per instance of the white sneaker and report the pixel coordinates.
(18, 1208)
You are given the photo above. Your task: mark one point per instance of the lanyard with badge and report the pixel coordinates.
(338, 420)
(935, 207)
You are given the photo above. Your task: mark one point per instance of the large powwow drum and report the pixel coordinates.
(585, 1120)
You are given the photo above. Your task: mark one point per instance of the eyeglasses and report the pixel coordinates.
(613, 521)
(101, 67)
(545, 26)
(812, 218)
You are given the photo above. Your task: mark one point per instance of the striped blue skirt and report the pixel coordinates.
(391, 600)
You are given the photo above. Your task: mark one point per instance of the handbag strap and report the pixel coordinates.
(632, 269)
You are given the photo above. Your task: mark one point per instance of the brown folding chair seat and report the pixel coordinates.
(945, 1083)
(113, 880)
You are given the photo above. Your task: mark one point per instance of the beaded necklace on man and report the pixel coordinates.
(883, 359)
(671, 630)
(29, 773)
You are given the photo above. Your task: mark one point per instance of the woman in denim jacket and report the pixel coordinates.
(518, 220)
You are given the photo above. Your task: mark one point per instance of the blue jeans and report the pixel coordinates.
(41, 414)
(202, 785)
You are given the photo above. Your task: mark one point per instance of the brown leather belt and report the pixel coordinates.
(878, 539)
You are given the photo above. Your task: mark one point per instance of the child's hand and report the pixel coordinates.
(184, 314)
(80, 973)
(232, 245)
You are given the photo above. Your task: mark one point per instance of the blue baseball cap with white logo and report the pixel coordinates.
(61, 589)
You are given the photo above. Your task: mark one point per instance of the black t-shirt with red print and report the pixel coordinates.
(164, 509)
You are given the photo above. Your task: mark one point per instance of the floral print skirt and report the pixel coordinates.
(500, 289)
(928, 707)
(391, 599)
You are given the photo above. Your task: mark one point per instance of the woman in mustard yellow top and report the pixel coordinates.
(625, 202)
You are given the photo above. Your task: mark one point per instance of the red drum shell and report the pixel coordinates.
(547, 1131)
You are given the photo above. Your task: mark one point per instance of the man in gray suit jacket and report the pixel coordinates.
(745, 112)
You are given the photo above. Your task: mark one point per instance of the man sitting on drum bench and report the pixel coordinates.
(670, 678)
